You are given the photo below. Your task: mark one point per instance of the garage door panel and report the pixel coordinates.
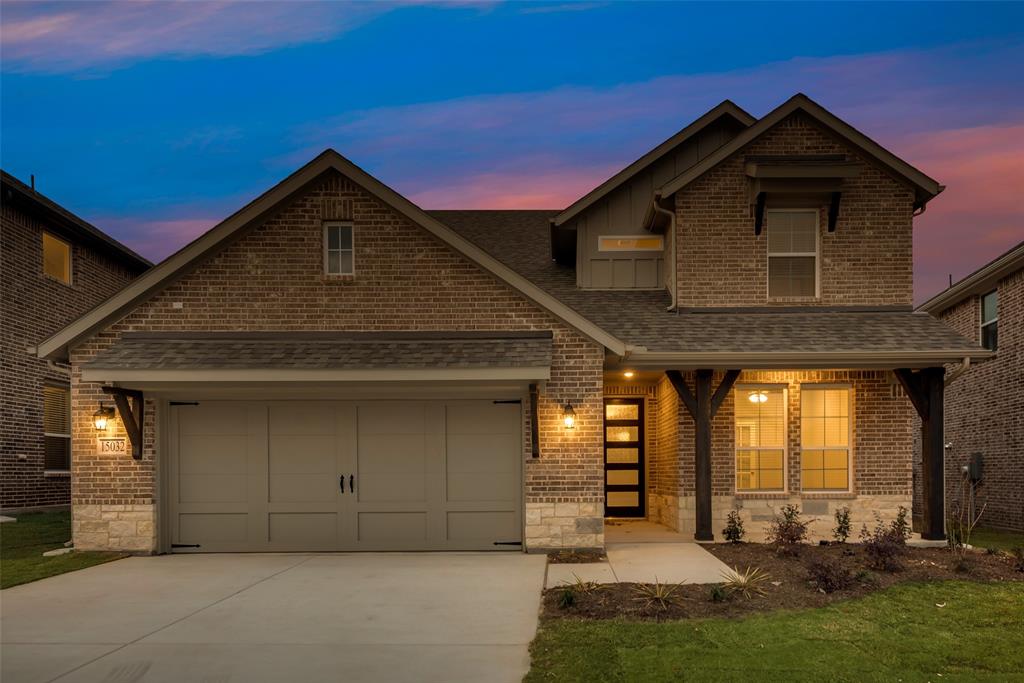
(469, 487)
(392, 417)
(483, 527)
(285, 488)
(303, 418)
(307, 454)
(207, 528)
(392, 467)
(311, 530)
(485, 418)
(215, 420)
(392, 527)
(213, 454)
(213, 488)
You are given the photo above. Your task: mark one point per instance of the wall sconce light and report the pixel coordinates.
(758, 397)
(629, 374)
(102, 417)
(569, 416)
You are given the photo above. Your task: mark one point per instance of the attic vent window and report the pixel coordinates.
(631, 243)
(339, 255)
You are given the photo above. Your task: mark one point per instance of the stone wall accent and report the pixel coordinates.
(272, 280)
(32, 307)
(564, 525)
(130, 528)
(985, 411)
(868, 260)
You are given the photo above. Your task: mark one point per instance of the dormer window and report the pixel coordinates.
(339, 255)
(990, 320)
(56, 258)
(793, 254)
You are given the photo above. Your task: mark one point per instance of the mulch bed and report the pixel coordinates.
(788, 586)
(575, 556)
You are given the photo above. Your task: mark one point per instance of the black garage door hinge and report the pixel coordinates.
(184, 403)
(508, 543)
(185, 545)
(511, 400)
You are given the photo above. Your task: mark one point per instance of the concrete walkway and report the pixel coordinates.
(352, 617)
(643, 552)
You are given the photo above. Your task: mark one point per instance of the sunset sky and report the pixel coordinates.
(156, 120)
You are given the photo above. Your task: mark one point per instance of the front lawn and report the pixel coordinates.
(22, 544)
(952, 631)
(997, 538)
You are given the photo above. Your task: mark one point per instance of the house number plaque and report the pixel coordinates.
(113, 445)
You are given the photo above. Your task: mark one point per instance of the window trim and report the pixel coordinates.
(850, 408)
(643, 250)
(59, 435)
(988, 323)
(71, 261)
(740, 391)
(817, 256)
(326, 250)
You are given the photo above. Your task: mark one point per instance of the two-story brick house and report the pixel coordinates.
(985, 401)
(726, 323)
(53, 268)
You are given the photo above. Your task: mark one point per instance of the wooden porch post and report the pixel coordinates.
(702, 408)
(925, 388)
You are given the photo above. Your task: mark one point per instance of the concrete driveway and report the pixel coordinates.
(212, 618)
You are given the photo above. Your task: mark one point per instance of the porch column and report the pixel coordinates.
(702, 408)
(925, 388)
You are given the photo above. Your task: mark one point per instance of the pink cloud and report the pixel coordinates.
(69, 36)
(157, 239)
(512, 190)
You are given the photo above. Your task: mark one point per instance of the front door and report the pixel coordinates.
(624, 457)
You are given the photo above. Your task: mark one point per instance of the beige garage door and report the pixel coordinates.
(341, 475)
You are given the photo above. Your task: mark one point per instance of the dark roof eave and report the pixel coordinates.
(756, 360)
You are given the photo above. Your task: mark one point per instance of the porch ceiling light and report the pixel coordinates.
(102, 417)
(757, 397)
(628, 374)
(569, 416)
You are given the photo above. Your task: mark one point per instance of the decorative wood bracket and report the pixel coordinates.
(833, 211)
(133, 415)
(925, 388)
(688, 398)
(759, 203)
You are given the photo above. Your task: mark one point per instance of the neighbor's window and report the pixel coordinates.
(631, 243)
(793, 253)
(825, 438)
(56, 258)
(760, 438)
(338, 252)
(990, 320)
(57, 428)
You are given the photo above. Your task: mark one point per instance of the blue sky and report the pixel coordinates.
(155, 120)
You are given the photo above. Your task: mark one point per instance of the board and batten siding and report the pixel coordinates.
(621, 212)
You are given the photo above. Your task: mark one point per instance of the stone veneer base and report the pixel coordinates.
(126, 528)
(564, 525)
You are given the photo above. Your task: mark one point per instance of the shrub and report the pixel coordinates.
(865, 577)
(901, 525)
(718, 593)
(748, 583)
(656, 594)
(841, 531)
(581, 587)
(787, 532)
(567, 598)
(733, 531)
(885, 546)
(829, 575)
(1018, 558)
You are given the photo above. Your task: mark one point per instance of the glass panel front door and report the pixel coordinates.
(624, 457)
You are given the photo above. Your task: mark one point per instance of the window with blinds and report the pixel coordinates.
(57, 428)
(760, 438)
(793, 253)
(56, 258)
(825, 438)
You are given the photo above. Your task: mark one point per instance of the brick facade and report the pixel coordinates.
(985, 410)
(868, 260)
(272, 280)
(32, 307)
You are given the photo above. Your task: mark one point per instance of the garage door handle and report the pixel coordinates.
(341, 482)
(351, 483)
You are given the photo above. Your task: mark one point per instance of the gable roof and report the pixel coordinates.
(20, 194)
(179, 263)
(925, 187)
(726, 108)
(980, 281)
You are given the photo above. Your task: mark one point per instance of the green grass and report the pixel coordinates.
(899, 634)
(22, 544)
(997, 538)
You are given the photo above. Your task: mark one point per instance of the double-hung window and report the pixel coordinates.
(56, 258)
(339, 252)
(793, 253)
(825, 438)
(56, 428)
(760, 438)
(990, 320)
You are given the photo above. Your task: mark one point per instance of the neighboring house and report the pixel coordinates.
(985, 403)
(53, 268)
(333, 368)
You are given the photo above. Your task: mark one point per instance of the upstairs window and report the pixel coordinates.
(56, 258)
(760, 438)
(990, 320)
(793, 253)
(631, 243)
(57, 428)
(339, 255)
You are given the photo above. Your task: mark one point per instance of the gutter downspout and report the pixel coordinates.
(965, 365)
(672, 227)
